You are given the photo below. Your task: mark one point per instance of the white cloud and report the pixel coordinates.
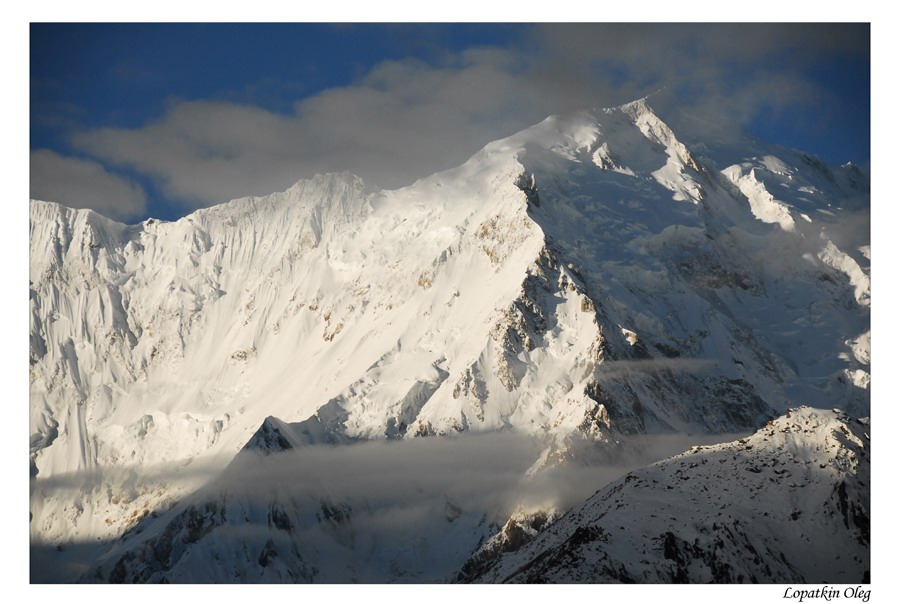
(406, 119)
(84, 183)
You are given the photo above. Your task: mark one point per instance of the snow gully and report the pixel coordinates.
(827, 593)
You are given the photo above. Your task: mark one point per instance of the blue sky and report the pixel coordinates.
(157, 120)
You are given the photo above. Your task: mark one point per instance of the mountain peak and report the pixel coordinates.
(579, 283)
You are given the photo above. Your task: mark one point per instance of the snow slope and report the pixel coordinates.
(789, 504)
(586, 278)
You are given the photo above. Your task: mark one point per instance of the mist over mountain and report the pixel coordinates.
(338, 383)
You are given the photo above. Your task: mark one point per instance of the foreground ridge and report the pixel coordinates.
(789, 504)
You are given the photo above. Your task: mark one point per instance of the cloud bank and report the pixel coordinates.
(84, 183)
(365, 511)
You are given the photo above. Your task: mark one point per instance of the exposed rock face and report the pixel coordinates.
(589, 278)
(520, 529)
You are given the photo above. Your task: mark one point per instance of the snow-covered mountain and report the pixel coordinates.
(789, 504)
(590, 278)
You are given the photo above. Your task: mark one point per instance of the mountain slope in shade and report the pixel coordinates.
(286, 511)
(587, 278)
(789, 504)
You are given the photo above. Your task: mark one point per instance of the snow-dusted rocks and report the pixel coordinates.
(590, 277)
(789, 504)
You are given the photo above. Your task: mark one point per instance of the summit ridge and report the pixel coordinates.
(590, 279)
